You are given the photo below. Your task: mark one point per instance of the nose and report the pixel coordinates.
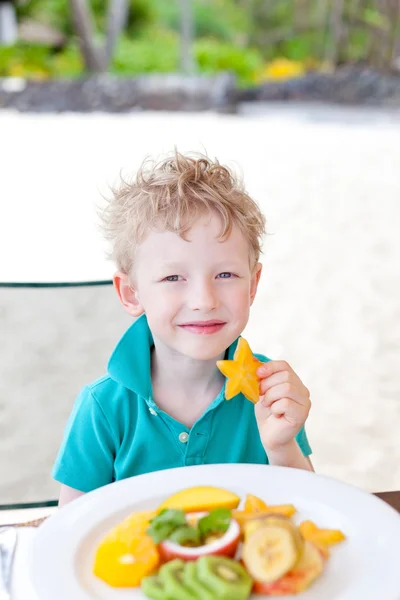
(203, 296)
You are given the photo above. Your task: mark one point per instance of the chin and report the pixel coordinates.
(207, 350)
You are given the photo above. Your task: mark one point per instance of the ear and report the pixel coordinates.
(127, 294)
(255, 278)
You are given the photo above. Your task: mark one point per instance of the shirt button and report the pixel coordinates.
(153, 412)
(183, 437)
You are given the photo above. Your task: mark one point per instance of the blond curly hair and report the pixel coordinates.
(170, 196)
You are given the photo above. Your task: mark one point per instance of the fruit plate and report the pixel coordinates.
(364, 567)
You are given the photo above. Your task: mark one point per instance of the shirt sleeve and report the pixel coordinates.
(302, 441)
(86, 458)
(301, 437)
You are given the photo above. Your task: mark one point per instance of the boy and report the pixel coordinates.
(186, 240)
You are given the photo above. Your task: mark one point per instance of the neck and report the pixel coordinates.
(172, 370)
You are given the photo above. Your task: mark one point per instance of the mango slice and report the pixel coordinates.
(320, 537)
(241, 373)
(256, 507)
(254, 504)
(201, 498)
(126, 554)
(243, 517)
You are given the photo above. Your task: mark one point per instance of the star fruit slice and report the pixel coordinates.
(241, 373)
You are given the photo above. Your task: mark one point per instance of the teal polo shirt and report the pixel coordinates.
(116, 430)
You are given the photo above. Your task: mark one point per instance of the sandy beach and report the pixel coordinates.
(327, 179)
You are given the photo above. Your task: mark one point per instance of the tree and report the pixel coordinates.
(8, 22)
(98, 57)
(187, 36)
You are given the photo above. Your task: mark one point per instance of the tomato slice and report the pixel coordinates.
(226, 545)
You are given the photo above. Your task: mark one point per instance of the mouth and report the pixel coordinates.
(203, 327)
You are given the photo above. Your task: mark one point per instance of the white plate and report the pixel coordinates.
(364, 567)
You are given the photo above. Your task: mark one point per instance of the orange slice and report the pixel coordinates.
(126, 554)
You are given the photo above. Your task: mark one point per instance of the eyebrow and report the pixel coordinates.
(171, 265)
(228, 262)
(221, 263)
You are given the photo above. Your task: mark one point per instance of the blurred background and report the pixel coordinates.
(302, 98)
(255, 39)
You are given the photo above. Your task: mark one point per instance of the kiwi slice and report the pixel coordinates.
(171, 575)
(154, 588)
(226, 578)
(193, 583)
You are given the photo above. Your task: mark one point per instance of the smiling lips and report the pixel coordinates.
(203, 327)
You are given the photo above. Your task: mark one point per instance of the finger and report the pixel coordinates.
(276, 379)
(273, 366)
(262, 412)
(288, 408)
(283, 390)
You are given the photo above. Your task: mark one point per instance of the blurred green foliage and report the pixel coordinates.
(25, 60)
(225, 20)
(213, 55)
(242, 36)
(152, 52)
(52, 12)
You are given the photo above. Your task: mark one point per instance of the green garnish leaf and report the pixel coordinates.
(217, 521)
(169, 515)
(186, 536)
(165, 523)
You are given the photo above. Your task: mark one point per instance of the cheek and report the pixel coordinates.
(161, 308)
(238, 304)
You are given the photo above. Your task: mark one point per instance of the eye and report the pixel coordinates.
(173, 278)
(226, 275)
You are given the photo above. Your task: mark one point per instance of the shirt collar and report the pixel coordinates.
(130, 362)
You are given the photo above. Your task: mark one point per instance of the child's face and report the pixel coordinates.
(197, 292)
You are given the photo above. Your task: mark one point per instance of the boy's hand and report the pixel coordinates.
(283, 407)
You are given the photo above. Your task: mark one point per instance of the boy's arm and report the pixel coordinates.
(67, 494)
(281, 414)
(290, 455)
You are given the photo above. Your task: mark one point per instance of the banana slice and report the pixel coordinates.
(307, 570)
(276, 521)
(270, 552)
